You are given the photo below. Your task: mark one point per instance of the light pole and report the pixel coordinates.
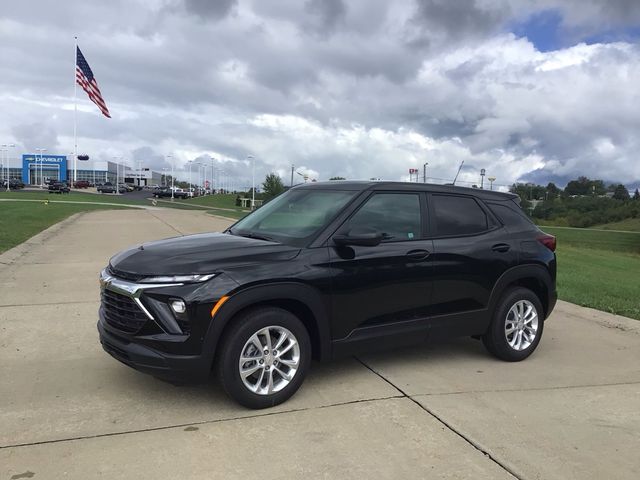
(5, 164)
(172, 162)
(424, 173)
(482, 174)
(117, 192)
(41, 167)
(253, 182)
(9, 145)
(212, 176)
(71, 184)
(491, 180)
(190, 182)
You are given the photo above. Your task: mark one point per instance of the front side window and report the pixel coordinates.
(396, 215)
(455, 215)
(295, 216)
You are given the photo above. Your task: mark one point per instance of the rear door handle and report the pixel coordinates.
(501, 247)
(418, 254)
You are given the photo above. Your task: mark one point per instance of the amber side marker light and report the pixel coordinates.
(218, 304)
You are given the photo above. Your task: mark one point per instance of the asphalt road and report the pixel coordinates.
(68, 410)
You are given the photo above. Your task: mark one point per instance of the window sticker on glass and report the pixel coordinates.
(410, 235)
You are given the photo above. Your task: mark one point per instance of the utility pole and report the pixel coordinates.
(172, 175)
(424, 173)
(292, 169)
(253, 190)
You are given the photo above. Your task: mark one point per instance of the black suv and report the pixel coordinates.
(327, 270)
(58, 187)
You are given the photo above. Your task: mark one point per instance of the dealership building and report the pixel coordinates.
(36, 169)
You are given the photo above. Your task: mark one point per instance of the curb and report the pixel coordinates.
(605, 319)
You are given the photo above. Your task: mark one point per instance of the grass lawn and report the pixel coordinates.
(226, 200)
(628, 242)
(601, 279)
(599, 269)
(629, 224)
(74, 197)
(22, 220)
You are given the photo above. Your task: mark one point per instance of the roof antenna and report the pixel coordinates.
(459, 168)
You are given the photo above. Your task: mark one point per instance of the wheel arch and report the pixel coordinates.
(303, 301)
(533, 277)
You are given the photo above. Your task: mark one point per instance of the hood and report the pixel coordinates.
(202, 253)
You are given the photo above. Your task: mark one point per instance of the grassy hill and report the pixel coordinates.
(629, 224)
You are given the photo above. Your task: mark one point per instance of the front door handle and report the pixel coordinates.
(418, 254)
(501, 247)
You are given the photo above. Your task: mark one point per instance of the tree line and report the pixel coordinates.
(584, 202)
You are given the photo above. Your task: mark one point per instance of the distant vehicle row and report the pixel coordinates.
(13, 184)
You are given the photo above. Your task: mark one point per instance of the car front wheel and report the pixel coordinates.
(264, 357)
(516, 327)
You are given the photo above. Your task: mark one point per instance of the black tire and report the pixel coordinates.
(496, 341)
(233, 342)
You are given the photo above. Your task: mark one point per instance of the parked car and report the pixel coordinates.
(327, 270)
(165, 192)
(106, 187)
(58, 187)
(81, 184)
(160, 192)
(14, 184)
(109, 187)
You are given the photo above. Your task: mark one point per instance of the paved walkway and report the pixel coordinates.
(67, 410)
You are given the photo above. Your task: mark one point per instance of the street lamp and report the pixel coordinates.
(424, 172)
(190, 182)
(482, 174)
(10, 145)
(491, 180)
(117, 171)
(172, 175)
(41, 166)
(253, 182)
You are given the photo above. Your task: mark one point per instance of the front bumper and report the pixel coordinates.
(177, 368)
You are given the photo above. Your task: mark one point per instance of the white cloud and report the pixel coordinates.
(357, 91)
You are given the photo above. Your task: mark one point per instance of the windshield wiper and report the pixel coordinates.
(257, 236)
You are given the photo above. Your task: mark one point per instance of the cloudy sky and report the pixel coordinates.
(537, 90)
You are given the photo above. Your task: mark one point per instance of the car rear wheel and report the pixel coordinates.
(516, 327)
(264, 357)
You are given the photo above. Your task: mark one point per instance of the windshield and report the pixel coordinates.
(293, 217)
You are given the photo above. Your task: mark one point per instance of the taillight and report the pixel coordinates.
(548, 241)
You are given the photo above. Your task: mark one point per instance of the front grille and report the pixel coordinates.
(122, 312)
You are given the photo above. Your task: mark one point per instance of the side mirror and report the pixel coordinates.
(365, 237)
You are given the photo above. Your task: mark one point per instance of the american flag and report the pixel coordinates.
(85, 78)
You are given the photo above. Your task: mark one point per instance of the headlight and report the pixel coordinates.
(178, 278)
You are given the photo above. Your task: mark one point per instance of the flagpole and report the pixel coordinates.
(75, 113)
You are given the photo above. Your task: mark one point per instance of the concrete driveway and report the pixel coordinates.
(68, 410)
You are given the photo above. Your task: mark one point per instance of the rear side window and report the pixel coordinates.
(397, 215)
(458, 215)
(511, 216)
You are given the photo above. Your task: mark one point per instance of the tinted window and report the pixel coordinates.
(294, 216)
(510, 217)
(395, 214)
(458, 215)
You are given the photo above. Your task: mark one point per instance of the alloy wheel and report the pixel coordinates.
(269, 360)
(521, 325)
